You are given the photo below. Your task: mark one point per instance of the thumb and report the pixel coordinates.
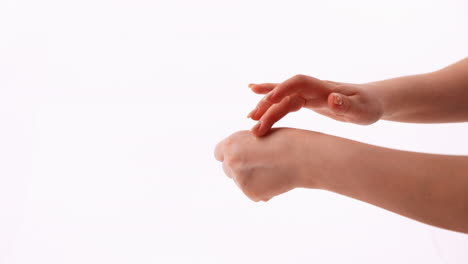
(343, 105)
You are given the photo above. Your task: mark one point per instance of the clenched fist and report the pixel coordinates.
(268, 166)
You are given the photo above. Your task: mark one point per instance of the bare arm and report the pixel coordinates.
(429, 188)
(436, 97)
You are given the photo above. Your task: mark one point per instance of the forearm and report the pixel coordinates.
(436, 97)
(429, 188)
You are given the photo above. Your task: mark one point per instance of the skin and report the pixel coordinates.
(435, 97)
(428, 188)
(433, 189)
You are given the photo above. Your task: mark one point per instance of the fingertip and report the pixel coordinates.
(254, 129)
(256, 115)
(259, 89)
(263, 128)
(259, 134)
(255, 118)
(335, 101)
(259, 129)
(255, 133)
(252, 113)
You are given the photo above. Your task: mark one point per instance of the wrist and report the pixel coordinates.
(331, 158)
(319, 159)
(381, 100)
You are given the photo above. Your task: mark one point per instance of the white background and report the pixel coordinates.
(110, 110)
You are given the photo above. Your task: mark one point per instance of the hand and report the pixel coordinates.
(353, 103)
(268, 166)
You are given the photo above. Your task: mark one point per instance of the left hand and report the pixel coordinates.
(354, 103)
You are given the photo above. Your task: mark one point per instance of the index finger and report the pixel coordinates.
(277, 94)
(291, 86)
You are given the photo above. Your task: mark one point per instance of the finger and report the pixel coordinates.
(340, 104)
(294, 85)
(244, 190)
(261, 108)
(227, 170)
(291, 86)
(262, 88)
(276, 112)
(219, 151)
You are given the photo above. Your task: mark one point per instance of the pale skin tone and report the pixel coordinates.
(429, 188)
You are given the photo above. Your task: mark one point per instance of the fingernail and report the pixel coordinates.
(251, 85)
(337, 99)
(252, 113)
(256, 127)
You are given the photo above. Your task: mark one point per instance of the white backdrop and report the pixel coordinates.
(110, 110)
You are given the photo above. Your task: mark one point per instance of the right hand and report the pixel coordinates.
(268, 166)
(353, 103)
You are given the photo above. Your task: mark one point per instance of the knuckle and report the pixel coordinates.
(252, 196)
(233, 162)
(242, 181)
(217, 152)
(287, 100)
(331, 82)
(228, 142)
(255, 199)
(238, 138)
(252, 193)
(297, 104)
(227, 170)
(300, 78)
